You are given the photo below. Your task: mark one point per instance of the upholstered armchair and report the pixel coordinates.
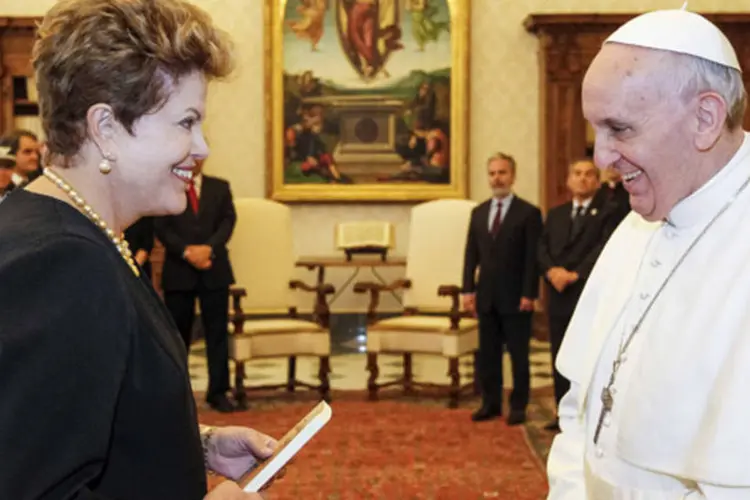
(432, 321)
(264, 321)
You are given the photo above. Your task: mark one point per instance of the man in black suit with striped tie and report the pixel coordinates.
(502, 243)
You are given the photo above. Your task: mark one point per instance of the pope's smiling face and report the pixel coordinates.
(642, 126)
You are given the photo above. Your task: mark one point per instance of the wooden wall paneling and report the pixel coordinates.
(16, 43)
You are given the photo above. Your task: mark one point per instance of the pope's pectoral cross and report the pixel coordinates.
(607, 403)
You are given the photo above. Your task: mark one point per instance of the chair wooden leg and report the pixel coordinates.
(291, 380)
(372, 366)
(408, 374)
(477, 386)
(455, 388)
(240, 396)
(323, 371)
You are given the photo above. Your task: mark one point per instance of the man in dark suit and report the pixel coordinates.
(502, 243)
(196, 265)
(573, 236)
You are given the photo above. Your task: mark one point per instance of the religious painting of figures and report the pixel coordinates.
(367, 99)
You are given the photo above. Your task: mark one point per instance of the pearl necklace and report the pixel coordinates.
(120, 243)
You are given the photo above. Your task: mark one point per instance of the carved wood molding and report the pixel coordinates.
(20, 22)
(16, 43)
(568, 44)
(570, 41)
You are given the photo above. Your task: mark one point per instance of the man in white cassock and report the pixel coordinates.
(658, 350)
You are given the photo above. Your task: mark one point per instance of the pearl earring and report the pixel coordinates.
(105, 166)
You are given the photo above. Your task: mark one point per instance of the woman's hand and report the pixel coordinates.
(233, 451)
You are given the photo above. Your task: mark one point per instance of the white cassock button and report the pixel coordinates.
(655, 263)
(599, 452)
(645, 295)
(623, 358)
(607, 420)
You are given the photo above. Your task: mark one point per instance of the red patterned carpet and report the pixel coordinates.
(397, 449)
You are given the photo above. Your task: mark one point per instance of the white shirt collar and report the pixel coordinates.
(505, 201)
(17, 179)
(585, 203)
(708, 200)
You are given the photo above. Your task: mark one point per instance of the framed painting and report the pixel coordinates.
(367, 100)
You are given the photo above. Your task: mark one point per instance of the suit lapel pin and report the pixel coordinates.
(594, 211)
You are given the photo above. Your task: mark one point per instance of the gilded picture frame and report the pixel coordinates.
(367, 100)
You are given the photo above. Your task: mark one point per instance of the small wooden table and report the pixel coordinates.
(357, 262)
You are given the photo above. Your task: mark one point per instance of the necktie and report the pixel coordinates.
(192, 196)
(577, 220)
(496, 221)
